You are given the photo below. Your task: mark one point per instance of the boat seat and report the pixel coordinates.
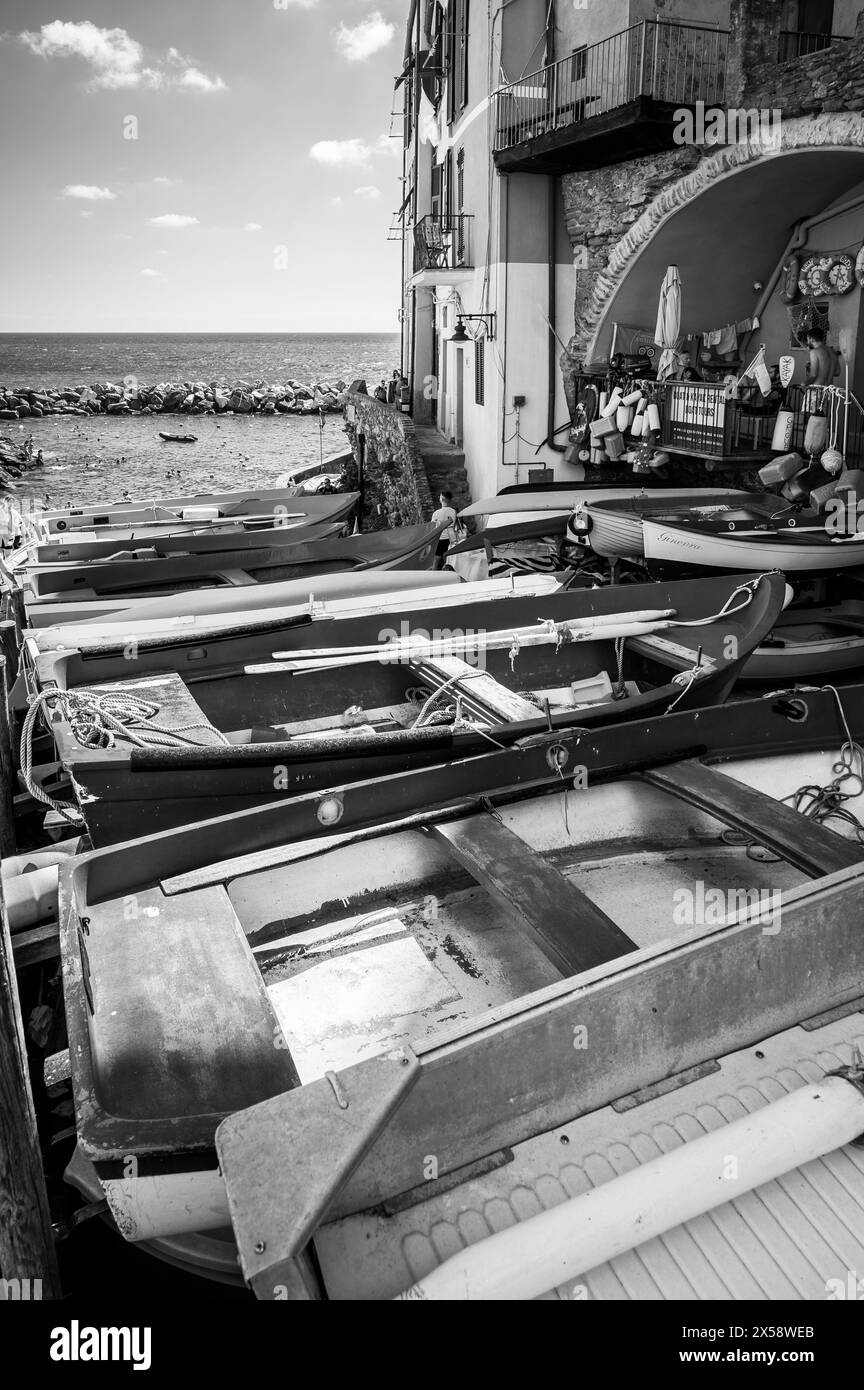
(177, 707)
(481, 691)
(181, 1022)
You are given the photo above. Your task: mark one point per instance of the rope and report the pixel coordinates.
(96, 719)
(825, 803)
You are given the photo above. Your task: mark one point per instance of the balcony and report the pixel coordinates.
(609, 101)
(797, 45)
(442, 250)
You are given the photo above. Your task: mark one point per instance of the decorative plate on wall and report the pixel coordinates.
(859, 267)
(827, 275)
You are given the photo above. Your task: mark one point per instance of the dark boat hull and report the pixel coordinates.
(164, 787)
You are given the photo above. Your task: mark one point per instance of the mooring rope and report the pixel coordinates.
(96, 719)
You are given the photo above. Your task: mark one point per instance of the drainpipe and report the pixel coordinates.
(502, 295)
(552, 252)
(563, 1243)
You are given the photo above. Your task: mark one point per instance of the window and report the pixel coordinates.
(480, 372)
(457, 59)
(579, 63)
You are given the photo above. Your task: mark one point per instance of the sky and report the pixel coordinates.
(199, 165)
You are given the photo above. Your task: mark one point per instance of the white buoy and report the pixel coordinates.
(537, 1255)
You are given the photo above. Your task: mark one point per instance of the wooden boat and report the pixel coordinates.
(563, 498)
(229, 605)
(809, 644)
(404, 547)
(178, 438)
(372, 700)
(437, 980)
(137, 512)
(612, 526)
(762, 532)
(432, 589)
(323, 516)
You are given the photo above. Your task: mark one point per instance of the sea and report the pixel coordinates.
(100, 458)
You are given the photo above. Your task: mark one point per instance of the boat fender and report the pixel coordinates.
(612, 405)
(791, 271)
(832, 461)
(633, 399)
(781, 469)
(623, 418)
(784, 430)
(821, 496)
(653, 417)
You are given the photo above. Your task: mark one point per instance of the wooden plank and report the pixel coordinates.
(571, 931)
(36, 944)
(26, 1240)
(503, 704)
(800, 841)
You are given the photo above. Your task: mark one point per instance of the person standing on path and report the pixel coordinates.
(445, 513)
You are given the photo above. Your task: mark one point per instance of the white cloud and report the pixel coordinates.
(336, 202)
(173, 219)
(298, 4)
(389, 144)
(341, 152)
(160, 178)
(366, 38)
(88, 191)
(85, 214)
(368, 191)
(253, 227)
(117, 60)
(151, 274)
(198, 81)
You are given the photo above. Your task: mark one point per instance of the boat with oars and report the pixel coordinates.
(231, 723)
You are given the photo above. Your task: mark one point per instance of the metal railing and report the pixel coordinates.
(442, 243)
(795, 45)
(675, 63)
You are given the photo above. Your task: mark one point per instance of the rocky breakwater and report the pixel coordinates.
(174, 398)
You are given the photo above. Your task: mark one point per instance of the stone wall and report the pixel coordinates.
(395, 488)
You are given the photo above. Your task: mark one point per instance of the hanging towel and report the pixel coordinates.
(712, 338)
(427, 124)
(728, 340)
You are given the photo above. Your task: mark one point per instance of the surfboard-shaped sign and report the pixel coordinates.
(787, 370)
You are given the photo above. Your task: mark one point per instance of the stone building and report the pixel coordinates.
(550, 180)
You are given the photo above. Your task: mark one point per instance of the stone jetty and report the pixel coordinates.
(174, 398)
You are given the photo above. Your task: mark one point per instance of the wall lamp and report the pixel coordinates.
(460, 336)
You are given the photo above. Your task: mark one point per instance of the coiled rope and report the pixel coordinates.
(96, 719)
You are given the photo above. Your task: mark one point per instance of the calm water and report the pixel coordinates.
(99, 458)
(78, 359)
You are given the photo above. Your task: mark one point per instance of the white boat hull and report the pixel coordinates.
(664, 542)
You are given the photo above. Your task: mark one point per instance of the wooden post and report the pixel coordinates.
(26, 1239)
(8, 843)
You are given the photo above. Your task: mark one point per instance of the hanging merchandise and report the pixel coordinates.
(659, 460)
(815, 435)
(652, 417)
(784, 431)
(614, 445)
(786, 366)
(791, 271)
(633, 397)
(623, 418)
(832, 459)
(612, 404)
(833, 274)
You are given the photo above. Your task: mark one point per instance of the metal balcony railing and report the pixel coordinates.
(795, 45)
(679, 64)
(442, 243)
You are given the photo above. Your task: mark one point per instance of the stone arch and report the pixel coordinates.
(830, 131)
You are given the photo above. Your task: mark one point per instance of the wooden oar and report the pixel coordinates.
(393, 653)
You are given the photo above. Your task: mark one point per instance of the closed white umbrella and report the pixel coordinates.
(668, 328)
